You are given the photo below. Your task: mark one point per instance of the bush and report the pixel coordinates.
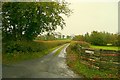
(76, 45)
(83, 44)
(23, 46)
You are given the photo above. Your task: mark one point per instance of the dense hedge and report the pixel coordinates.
(22, 46)
(29, 46)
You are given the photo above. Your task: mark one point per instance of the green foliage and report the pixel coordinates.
(76, 45)
(99, 38)
(18, 57)
(83, 44)
(87, 37)
(53, 36)
(41, 37)
(23, 46)
(25, 50)
(103, 38)
(50, 37)
(76, 64)
(30, 46)
(26, 20)
(46, 37)
(78, 38)
(68, 37)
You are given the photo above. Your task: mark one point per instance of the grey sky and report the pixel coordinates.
(91, 15)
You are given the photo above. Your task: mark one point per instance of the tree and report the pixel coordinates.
(50, 36)
(26, 20)
(97, 38)
(114, 39)
(78, 38)
(68, 37)
(87, 37)
(103, 38)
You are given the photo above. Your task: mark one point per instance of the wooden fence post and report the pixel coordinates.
(100, 65)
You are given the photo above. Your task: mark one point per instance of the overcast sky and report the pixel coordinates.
(89, 15)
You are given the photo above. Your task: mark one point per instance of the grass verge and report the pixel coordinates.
(18, 56)
(74, 62)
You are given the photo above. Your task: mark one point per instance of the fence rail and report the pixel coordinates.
(100, 59)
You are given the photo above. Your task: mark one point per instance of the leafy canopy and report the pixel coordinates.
(26, 20)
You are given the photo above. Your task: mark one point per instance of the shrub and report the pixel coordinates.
(77, 45)
(23, 46)
(83, 44)
(30, 46)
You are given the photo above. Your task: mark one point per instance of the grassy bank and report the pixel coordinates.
(20, 51)
(77, 65)
(105, 47)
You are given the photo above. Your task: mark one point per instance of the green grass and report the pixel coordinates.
(105, 47)
(76, 64)
(92, 73)
(43, 48)
(89, 73)
(18, 57)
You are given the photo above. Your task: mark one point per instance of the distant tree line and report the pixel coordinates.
(99, 38)
(52, 36)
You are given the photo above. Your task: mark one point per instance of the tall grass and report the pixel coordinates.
(25, 50)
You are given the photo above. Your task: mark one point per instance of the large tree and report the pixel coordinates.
(26, 20)
(97, 38)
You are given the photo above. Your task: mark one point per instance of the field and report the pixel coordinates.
(105, 47)
(37, 49)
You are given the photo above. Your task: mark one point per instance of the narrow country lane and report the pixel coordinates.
(50, 66)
